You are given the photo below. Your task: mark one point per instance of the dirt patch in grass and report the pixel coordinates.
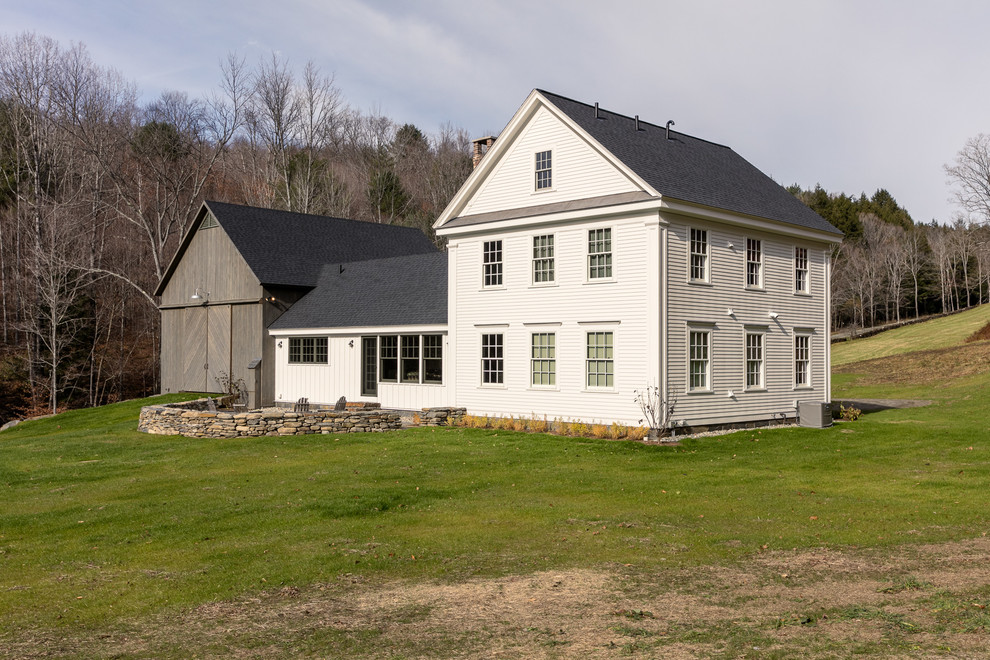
(923, 367)
(911, 601)
(982, 334)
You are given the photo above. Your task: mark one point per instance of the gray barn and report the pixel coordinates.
(236, 271)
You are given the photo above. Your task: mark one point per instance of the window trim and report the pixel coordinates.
(808, 335)
(708, 329)
(498, 267)
(552, 258)
(760, 332)
(382, 357)
(537, 188)
(761, 265)
(588, 255)
(806, 291)
(416, 356)
(314, 352)
(499, 359)
(424, 358)
(549, 360)
(611, 361)
(707, 255)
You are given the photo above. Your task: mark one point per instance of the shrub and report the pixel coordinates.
(849, 414)
(416, 419)
(637, 433)
(600, 431)
(520, 423)
(537, 425)
(617, 431)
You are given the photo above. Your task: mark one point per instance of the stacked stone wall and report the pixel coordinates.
(194, 419)
(442, 416)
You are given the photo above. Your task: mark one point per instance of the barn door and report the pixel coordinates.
(217, 347)
(193, 353)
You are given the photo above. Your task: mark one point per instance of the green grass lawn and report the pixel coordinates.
(102, 527)
(99, 522)
(937, 333)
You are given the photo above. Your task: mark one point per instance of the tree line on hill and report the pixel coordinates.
(97, 188)
(888, 268)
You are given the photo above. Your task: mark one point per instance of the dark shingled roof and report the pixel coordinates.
(690, 169)
(290, 249)
(410, 290)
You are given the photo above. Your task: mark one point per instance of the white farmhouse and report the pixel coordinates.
(591, 255)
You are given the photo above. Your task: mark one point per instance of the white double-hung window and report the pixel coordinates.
(699, 359)
(600, 254)
(699, 255)
(754, 263)
(544, 170)
(543, 259)
(755, 363)
(801, 284)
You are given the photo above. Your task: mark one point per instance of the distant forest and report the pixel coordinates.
(97, 188)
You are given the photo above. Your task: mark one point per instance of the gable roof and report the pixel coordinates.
(408, 290)
(683, 168)
(290, 249)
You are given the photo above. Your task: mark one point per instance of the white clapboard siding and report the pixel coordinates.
(570, 308)
(578, 170)
(698, 303)
(324, 384)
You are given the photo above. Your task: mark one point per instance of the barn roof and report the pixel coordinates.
(290, 249)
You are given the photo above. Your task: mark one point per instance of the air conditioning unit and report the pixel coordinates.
(815, 414)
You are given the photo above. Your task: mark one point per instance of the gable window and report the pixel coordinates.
(307, 350)
(543, 361)
(801, 270)
(432, 358)
(492, 367)
(599, 254)
(699, 255)
(544, 180)
(493, 263)
(699, 360)
(209, 221)
(802, 361)
(543, 263)
(754, 263)
(410, 358)
(388, 353)
(754, 360)
(600, 364)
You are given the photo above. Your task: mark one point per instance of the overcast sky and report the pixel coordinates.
(855, 95)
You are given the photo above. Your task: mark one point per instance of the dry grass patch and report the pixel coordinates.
(924, 367)
(913, 601)
(983, 334)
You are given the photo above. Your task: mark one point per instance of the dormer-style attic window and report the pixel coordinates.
(209, 221)
(544, 180)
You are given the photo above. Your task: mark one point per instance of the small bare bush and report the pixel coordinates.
(600, 431)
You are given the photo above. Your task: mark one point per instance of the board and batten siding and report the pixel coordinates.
(578, 170)
(694, 303)
(212, 264)
(324, 384)
(627, 305)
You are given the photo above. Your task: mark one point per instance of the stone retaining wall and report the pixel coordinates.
(194, 419)
(441, 416)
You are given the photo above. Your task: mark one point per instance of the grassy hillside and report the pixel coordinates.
(935, 334)
(118, 543)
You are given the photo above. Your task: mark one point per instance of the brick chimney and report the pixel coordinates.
(481, 147)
